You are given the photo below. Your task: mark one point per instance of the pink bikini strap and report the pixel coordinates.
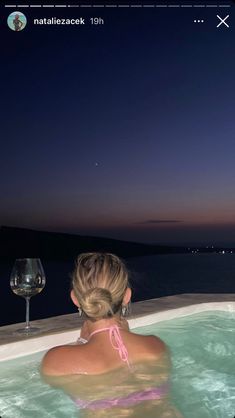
(115, 334)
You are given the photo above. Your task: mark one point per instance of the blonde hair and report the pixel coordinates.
(99, 283)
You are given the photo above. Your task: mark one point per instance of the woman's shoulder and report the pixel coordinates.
(151, 344)
(52, 360)
(157, 342)
(58, 360)
(158, 345)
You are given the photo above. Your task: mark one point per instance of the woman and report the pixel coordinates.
(115, 372)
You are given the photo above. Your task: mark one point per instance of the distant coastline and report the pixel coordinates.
(22, 243)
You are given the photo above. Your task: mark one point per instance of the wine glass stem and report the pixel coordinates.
(27, 312)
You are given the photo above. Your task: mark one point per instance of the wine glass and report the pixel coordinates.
(27, 280)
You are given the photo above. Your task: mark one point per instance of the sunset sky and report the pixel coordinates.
(125, 130)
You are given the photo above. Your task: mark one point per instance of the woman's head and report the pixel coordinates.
(99, 284)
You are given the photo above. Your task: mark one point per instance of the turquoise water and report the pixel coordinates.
(203, 356)
(203, 374)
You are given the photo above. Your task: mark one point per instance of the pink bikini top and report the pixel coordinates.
(115, 336)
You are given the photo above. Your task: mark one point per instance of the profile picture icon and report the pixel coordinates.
(17, 21)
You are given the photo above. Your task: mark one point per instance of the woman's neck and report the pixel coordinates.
(104, 323)
(90, 326)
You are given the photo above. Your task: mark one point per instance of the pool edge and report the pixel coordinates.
(167, 308)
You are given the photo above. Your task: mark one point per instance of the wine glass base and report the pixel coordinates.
(27, 331)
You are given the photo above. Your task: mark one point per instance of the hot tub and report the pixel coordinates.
(201, 339)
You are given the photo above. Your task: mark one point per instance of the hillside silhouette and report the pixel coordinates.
(28, 243)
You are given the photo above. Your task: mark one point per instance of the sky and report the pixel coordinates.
(124, 129)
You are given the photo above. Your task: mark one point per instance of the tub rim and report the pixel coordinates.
(40, 343)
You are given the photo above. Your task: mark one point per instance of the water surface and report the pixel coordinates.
(202, 383)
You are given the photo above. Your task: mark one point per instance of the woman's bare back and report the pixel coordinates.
(98, 356)
(103, 357)
(94, 372)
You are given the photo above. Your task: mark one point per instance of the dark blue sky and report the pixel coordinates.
(124, 130)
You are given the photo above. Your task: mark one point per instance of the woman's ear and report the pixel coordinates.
(74, 299)
(127, 296)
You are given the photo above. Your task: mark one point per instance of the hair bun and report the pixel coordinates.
(97, 303)
(100, 281)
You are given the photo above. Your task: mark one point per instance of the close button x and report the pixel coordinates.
(222, 21)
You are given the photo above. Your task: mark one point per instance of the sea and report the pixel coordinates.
(150, 277)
